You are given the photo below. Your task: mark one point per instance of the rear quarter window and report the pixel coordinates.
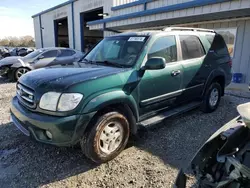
(219, 45)
(66, 53)
(210, 38)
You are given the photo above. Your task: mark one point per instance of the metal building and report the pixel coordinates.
(80, 24)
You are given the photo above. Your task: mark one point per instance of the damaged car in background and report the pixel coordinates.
(14, 67)
(18, 51)
(224, 160)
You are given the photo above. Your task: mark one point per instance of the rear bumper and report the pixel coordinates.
(229, 79)
(66, 131)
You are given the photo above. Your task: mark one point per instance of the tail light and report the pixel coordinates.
(230, 63)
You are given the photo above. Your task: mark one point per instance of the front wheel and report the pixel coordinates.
(19, 72)
(107, 137)
(212, 98)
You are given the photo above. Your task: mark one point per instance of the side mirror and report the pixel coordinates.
(155, 63)
(40, 57)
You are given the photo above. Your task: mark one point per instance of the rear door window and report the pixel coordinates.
(49, 54)
(66, 53)
(164, 47)
(191, 47)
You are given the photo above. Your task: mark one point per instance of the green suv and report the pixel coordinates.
(126, 81)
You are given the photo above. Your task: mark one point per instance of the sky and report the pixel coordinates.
(15, 15)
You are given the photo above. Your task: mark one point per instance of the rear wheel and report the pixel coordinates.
(212, 98)
(107, 138)
(19, 72)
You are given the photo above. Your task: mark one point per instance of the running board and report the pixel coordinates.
(167, 114)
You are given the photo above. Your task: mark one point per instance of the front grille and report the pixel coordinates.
(25, 96)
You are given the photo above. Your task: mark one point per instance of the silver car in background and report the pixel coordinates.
(14, 67)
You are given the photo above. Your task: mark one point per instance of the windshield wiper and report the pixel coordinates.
(88, 61)
(111, 63)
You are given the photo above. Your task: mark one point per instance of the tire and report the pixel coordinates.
(212, 98)
(19, 72)
(113, 128)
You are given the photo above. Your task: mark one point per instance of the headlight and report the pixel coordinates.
(69, 101)
(49, 101)
(53, 101)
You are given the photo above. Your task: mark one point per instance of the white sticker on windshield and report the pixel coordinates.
(136, 39)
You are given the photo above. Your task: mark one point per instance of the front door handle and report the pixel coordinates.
(175, 73)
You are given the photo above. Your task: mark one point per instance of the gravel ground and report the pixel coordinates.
(152, 161)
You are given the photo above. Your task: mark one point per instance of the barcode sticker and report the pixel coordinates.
(136, 39)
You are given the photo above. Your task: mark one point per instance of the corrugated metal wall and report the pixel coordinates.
(150, 5)
(160, 3)
(218, 7)
(37, 30)
(128, 10)
(122, 2)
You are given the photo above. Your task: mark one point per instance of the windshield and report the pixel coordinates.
(33, 54)
(120, 50)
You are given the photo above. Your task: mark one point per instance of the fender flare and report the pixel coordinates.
(215, 73)
(113, 97)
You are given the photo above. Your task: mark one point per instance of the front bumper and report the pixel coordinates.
(66, 131)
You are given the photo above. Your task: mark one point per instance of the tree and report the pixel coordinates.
(13, 41)
(4, 42)
(25, 41)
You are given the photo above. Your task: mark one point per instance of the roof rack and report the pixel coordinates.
(187, 29)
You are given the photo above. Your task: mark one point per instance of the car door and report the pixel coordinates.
(65, 57)
(45, 59)
(193, 55)
(159, 88)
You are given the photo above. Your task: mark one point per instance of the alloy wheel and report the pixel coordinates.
(214, 97)
(111, 137)
(20, 72)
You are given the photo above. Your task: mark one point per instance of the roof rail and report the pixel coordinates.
(187, 29)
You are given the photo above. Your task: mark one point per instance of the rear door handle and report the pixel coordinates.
(175, 73)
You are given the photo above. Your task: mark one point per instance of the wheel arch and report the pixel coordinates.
(117, 100)
(218, 76)
(13, 73)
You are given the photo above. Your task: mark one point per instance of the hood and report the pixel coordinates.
(59, 78)
(9, 60)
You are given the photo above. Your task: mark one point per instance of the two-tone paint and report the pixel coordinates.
(142, 93)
